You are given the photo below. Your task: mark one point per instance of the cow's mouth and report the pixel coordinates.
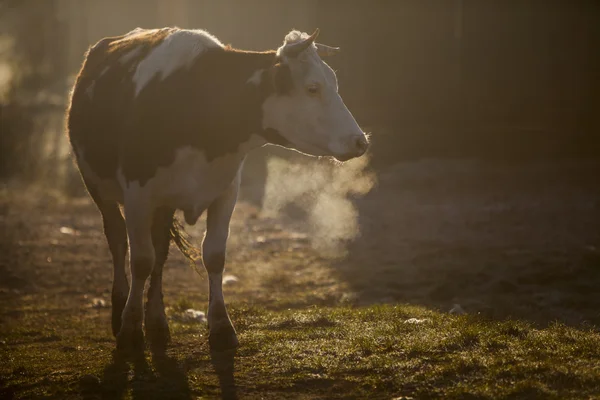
(345, 157)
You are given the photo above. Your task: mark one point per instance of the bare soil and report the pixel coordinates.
(520, 240)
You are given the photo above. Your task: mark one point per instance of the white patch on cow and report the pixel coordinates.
(177, 50)
(256, 77)
(90, 90)
(191, 183)
(130, 56)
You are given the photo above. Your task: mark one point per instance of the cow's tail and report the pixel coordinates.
(183, 243)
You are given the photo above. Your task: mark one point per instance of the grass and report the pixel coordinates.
(311, 331)
(340, 352)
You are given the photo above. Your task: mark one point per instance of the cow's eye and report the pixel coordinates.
(313, 90)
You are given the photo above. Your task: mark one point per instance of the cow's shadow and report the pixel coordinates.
(162, 378)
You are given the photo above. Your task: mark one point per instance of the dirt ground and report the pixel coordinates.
(519, 240)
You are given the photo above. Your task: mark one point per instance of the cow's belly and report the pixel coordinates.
(191, 183)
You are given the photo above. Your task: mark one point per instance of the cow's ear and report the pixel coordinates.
(325, 51)
(282, 79)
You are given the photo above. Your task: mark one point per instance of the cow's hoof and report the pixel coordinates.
(130, 341)
(158, 335)
(222, 337)
(223, 363)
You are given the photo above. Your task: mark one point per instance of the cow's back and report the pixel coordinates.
(103, 96)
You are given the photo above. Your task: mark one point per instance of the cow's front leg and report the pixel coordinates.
(222, 335)
(138, 218)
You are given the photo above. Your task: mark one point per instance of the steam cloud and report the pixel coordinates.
(324, 191)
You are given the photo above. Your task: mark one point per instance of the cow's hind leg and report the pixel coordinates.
(116, 233)
(116, 236)
(157, 327)
(138, 216)
(222, 335)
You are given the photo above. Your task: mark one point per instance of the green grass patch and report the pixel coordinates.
(377, 350)
(343, 352)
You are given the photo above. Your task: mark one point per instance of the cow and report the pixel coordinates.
(160, 121)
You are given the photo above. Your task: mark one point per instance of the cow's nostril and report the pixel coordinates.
(361, 143)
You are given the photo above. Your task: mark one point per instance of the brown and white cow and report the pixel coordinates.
(161, 120)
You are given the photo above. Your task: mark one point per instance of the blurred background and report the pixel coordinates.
(480, 188)
(457, 78)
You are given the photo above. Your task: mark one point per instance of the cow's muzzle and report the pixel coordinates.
(359, 146)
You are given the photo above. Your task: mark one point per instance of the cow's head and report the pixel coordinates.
(306, 108)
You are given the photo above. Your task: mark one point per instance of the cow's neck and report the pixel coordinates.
(246, 84)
